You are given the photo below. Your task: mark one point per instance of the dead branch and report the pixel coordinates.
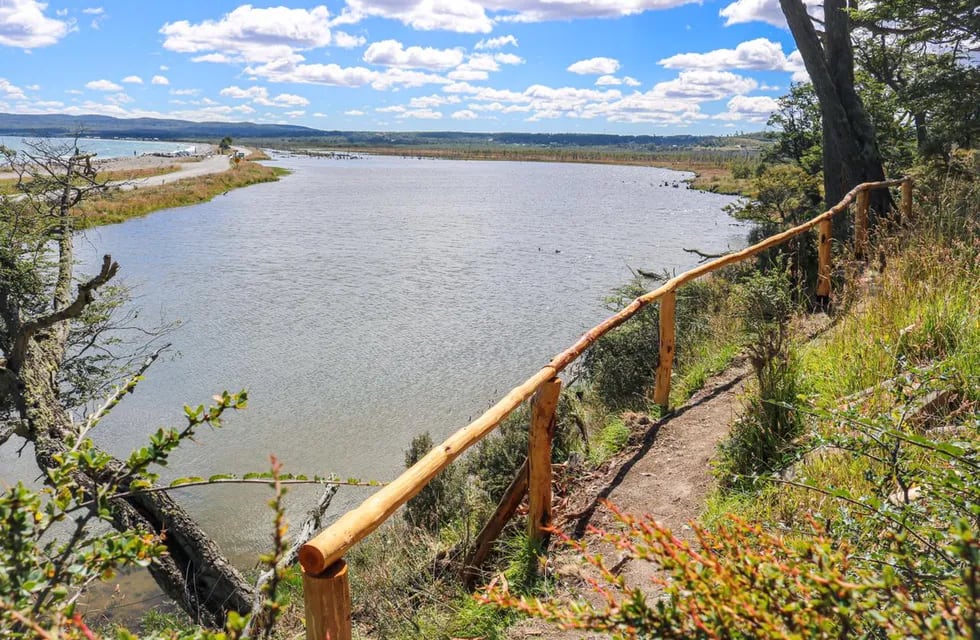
(704, 257)
(309, 528)
(86, 293)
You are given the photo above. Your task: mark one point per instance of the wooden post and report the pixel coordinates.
(823, 270)
(907, 201)
(327, 600)
(539, 459)
(861, 225)
(661, 393)
(491, 530)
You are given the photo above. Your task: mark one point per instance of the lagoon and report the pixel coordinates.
(362, 302)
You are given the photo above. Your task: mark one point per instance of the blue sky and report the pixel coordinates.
(599, 66)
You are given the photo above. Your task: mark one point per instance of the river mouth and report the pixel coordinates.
(362, 303)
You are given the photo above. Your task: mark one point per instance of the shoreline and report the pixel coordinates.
(712, 176)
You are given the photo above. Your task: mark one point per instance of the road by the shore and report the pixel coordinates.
(211, 162)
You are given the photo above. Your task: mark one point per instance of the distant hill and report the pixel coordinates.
(162, 129)
(107, 127)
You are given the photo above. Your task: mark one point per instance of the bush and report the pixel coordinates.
(762, 435)
(440, 501)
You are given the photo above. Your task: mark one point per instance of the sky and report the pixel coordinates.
(656, 67)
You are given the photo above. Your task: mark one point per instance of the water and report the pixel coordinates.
(364, 302)
(102, 147)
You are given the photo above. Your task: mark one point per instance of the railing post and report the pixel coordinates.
(861, 225)
(661, 392)
(539, 459)
(326, 598)
(826, 231)
(907, 200)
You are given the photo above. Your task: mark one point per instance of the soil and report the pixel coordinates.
(665, 473)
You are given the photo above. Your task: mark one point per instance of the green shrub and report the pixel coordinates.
(761, 437)
(442, 499)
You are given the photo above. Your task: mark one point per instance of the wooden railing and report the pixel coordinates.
(325, 583)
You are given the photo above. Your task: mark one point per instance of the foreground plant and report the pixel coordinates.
(741, 581)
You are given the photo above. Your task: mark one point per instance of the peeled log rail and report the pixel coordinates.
(333, 542)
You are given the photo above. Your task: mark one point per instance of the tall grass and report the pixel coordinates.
(118, 206)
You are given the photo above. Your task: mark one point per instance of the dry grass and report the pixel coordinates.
(118, 206)
(122, 175)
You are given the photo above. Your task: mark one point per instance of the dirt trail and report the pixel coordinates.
(666, 474)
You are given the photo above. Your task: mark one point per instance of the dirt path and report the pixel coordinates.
(666, 474)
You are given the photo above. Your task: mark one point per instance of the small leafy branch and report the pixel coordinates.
(53, 549)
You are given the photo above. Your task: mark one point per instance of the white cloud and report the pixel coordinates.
(699, 84)
(756, 109)
(742, 11)
(461, 16)
(758, 55)
(508, 58)
(185, 92)
(33, 87)
(354, 112)
(164, 67)
(597, 66)
(94, 11)
(253, 34)
(11, 92)
(218, 58)
(394, 54)
(422, 114)
(119, 98)
(102, 85)
(464, 114)
(260, 96)
(347, 41)
(160, 80)
(798, 68)
(495, 43)
(328, 74)
(133, 80)
(608, 81)
(542, 10)
(630, 81)
(23, 24)
(465, 74)
(479, 16)
(295, 114)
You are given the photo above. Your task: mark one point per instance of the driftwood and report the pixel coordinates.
(312, 524)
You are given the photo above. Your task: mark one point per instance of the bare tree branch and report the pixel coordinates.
(704, 257)
(120, 393)
(86, 292)
(309, 528)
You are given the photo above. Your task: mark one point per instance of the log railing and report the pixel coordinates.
(326, 588)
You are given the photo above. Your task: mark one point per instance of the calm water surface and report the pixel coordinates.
(102, 147)
(364, 302)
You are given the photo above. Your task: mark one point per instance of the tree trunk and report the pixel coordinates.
(193, 572)
(850, 151)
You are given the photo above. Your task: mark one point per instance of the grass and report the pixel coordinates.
(123, 175)
(611, 439)
(119, 206)
(912, 332)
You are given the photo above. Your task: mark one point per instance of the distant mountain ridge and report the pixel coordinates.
(95, 126)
